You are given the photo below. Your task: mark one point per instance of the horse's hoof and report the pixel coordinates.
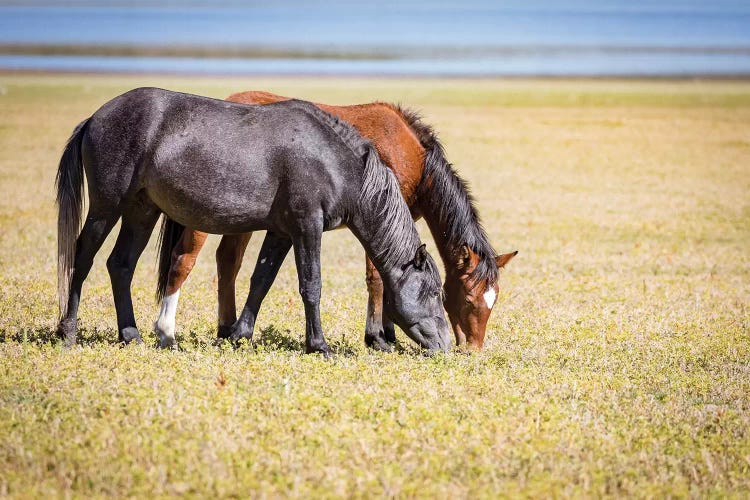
(389, 334)
(224, 331)
(131, 334)
(235, 337)
(168, 343)
(378, 343)
(324, 350)
(66, 331)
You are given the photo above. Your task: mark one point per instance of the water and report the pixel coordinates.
(626, 65)
(600, 37)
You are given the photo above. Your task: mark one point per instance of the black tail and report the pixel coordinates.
(169, 235)
(69, 184)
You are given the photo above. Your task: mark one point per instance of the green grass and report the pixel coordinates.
(617, 361)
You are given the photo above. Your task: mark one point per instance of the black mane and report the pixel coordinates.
(446, 195)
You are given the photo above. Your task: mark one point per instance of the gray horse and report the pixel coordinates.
(227, 168)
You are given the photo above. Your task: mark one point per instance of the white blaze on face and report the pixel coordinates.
(489, 297)
(165, 325)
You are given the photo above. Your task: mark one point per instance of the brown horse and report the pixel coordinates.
(431, 188)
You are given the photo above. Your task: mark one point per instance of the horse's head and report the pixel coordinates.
(469, 302)
(415, 306)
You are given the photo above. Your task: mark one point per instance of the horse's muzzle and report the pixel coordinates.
(432, 335)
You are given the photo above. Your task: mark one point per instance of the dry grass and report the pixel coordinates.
(617, 361)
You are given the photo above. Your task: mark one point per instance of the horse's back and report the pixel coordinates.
(197, 157)
(379, 122)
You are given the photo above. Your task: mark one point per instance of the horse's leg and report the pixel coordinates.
(228, 262)
(134, 234)
(379, 331)
(183, 259)
(389, 330)
(271, 256)
(88, 243)
(307, 256)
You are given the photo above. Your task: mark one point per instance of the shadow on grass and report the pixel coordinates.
(267, 339)
(273, 339)
(409, 348)
(43, 335)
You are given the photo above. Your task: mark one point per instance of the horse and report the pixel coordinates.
(229, 168)
(431, 188)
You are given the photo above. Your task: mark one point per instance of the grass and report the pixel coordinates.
(617, 361)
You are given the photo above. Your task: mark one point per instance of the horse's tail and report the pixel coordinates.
(169, 235)
(69, 184)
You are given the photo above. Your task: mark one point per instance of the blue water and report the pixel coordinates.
(621, 65)
(407, 27)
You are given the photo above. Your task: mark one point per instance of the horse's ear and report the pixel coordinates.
(503, 259)
(420, 257)
(463, 257)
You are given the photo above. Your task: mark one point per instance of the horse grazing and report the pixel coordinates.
(432, 190)
(230, 168)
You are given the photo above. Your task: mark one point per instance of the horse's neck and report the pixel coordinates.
(441, 228)
(447, 209)
(440, 232)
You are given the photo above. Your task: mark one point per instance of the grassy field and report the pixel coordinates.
(617, 361)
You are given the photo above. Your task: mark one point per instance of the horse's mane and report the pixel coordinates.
(449, 198)
(380, 199)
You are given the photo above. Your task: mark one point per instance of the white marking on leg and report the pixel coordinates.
(262, 261)
(165, 324)
(489, 297)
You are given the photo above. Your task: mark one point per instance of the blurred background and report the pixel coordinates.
(417, 37)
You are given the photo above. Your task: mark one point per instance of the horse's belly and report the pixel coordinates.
(204, 218)
(211, 202)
